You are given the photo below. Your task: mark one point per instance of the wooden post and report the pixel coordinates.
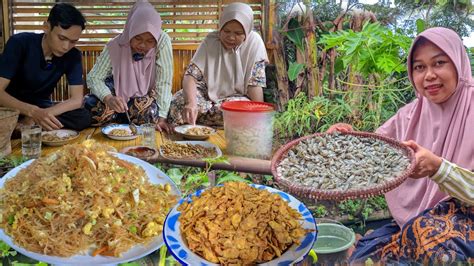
(5, 23)
(282, 73)
(311, 54)
(268, 20)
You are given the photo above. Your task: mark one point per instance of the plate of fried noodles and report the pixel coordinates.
(85, 204)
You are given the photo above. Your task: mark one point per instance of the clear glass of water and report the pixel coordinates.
(149, 135)
(31, 141)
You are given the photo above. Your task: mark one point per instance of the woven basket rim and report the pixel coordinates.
(11, 112)
(320, 194)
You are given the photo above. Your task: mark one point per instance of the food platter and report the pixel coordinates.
(123, 129)
(155, 176)
(176, 244)
(59, 137)
(196, 132)
(204, 144)
(342, 166)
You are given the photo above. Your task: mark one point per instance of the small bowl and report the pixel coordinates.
(141, 152)
(65, 135)
(182, 130)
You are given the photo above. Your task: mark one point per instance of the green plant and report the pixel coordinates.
(6, 250)
(12, 161)
(189, 179)
(372, 78)
(130, 264)
(350, 207)
(16, 263)
(320, 211)
(362, 209)
(294, 70)
(375, 49)
(302, 116)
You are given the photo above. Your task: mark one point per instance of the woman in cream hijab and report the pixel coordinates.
(229, 65)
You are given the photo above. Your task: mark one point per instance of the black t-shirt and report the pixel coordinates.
(23, 63)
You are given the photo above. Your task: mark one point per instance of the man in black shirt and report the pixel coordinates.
(32, 64)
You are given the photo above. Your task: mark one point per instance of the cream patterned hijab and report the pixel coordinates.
(227, 72)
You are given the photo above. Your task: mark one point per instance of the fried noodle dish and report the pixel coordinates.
(237, 224)
(83, 199)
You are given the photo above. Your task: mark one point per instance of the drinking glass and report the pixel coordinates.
(149, 135)
(31, 141)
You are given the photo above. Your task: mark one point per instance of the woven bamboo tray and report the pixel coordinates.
(338, 195)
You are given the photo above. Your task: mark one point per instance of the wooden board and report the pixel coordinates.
(239, 164)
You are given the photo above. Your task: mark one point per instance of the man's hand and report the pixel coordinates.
(116, 103)
(341, 127)
(190, 113)
(427, 163)
(45, 119)
(163, 125)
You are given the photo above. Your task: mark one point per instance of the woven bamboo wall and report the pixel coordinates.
(186, 21)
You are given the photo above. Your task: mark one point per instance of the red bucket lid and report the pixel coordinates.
(247, 106)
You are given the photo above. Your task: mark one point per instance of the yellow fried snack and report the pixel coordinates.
(237, 224)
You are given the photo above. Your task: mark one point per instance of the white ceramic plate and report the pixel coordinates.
(182, 131)
(155, 176)
(107, 129)
(202, 143)
(294, 254)
(66, 134)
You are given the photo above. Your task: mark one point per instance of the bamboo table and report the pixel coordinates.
(239, 164)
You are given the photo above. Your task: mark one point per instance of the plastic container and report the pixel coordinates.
(248, 128)
(334, 240)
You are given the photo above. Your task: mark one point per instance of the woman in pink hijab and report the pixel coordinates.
(229, 65)
(133, 73)
(430, 226)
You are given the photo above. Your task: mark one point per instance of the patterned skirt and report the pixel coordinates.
(140, 109)
(443, 234)
(209, 112)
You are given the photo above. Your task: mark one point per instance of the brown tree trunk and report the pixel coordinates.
(311, 52)
(282, 73)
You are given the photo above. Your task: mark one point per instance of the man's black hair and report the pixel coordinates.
(66, 15)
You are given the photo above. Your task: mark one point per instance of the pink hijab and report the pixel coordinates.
(135, 78)
(446, 129)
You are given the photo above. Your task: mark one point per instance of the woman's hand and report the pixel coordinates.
(341, 127)
(116, 103)
(427, 163)
(163, 125)
(190, 113)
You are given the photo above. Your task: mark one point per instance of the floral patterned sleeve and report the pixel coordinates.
(194, 72)
(258, 77)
